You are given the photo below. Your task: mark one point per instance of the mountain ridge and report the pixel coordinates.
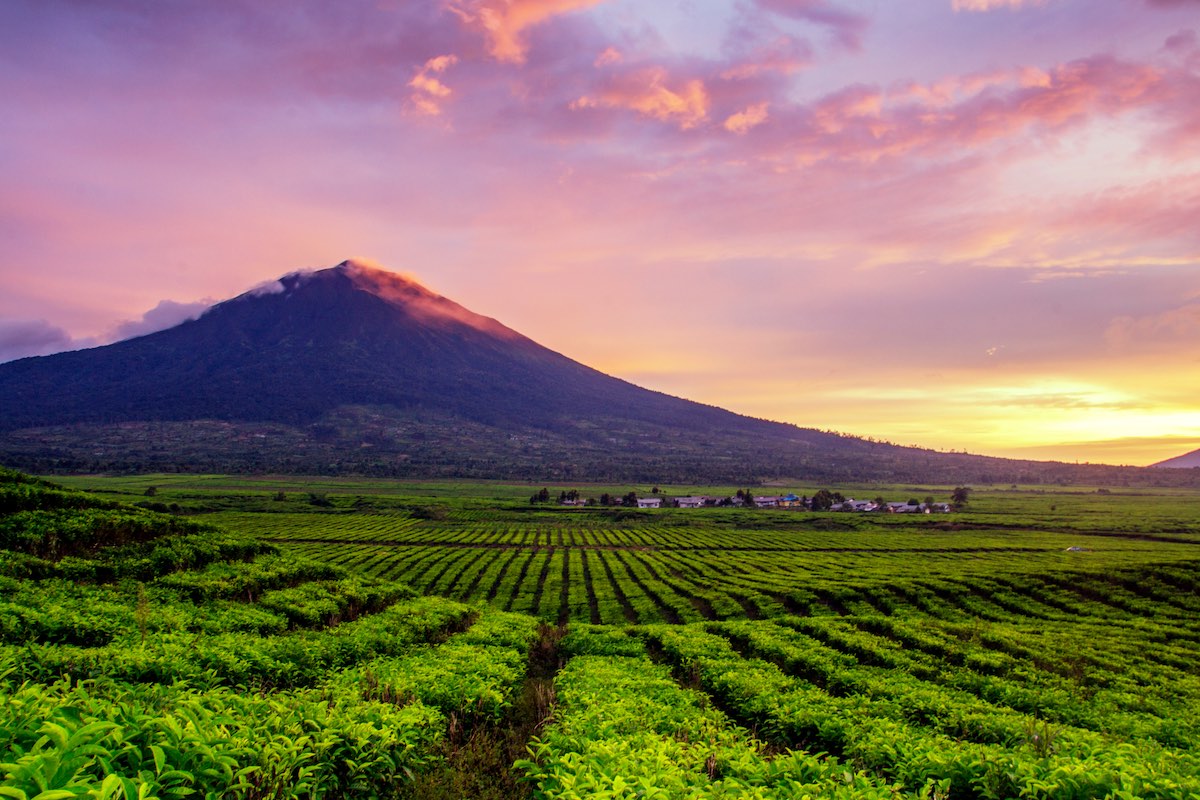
(1185, 461)
(357, 369)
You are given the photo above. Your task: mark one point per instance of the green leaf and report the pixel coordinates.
(160, 758)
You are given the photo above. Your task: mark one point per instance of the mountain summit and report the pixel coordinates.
(358, 369)
(414, 299)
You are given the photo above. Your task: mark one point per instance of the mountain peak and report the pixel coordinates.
(395, 287)
(401, 291)
(408, 294)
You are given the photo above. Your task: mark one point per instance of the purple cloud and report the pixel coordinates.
(848, 28)
(167, 314)
(23, 338)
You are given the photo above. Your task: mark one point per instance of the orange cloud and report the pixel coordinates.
(646, 91)
(863, 124)
(846, 108)
(429, 91)
(954, 88)
(503, 21)
(784, 55)
(743, 121)
(611, 55)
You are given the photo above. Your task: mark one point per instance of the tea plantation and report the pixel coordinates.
(209, 636)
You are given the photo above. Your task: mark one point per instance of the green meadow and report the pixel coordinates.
(216, 636)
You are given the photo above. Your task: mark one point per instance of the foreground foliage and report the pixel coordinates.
(902, 664)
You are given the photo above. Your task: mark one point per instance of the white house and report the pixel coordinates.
(689, 502)
(649, 502)
(766, 502)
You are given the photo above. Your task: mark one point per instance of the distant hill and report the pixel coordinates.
(354, 369)
(1185, 461)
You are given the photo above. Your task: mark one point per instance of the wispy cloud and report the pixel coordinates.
(847, 27)
(505, 22)
(990, 5)
(653, 93)
(429, 93)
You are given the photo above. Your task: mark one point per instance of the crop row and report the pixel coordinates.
(623, 728)
(358, 732)
(296, 658)
(818, 536)
(913, 733)
(471, 677)
(676, 586)
(268, 595)
(962, 701)
(115, 740)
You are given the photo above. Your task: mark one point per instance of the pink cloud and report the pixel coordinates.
(651, 92)
(782, 54)
(863, 123)
(428, 91)
(743, 121)
(991, 5)
(505, 21)
(611, 55)
(1150, 223)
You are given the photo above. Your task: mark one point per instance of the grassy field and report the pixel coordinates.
(453, 640)
(485, 542)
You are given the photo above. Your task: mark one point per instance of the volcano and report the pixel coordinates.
(355, 369)
(299, 348)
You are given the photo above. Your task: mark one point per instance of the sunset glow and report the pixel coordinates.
(961, 224)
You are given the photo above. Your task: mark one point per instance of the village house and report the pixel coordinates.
(861, 506)
(690, 502)
(789, 500)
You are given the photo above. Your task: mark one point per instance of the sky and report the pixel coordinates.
(961, 224)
